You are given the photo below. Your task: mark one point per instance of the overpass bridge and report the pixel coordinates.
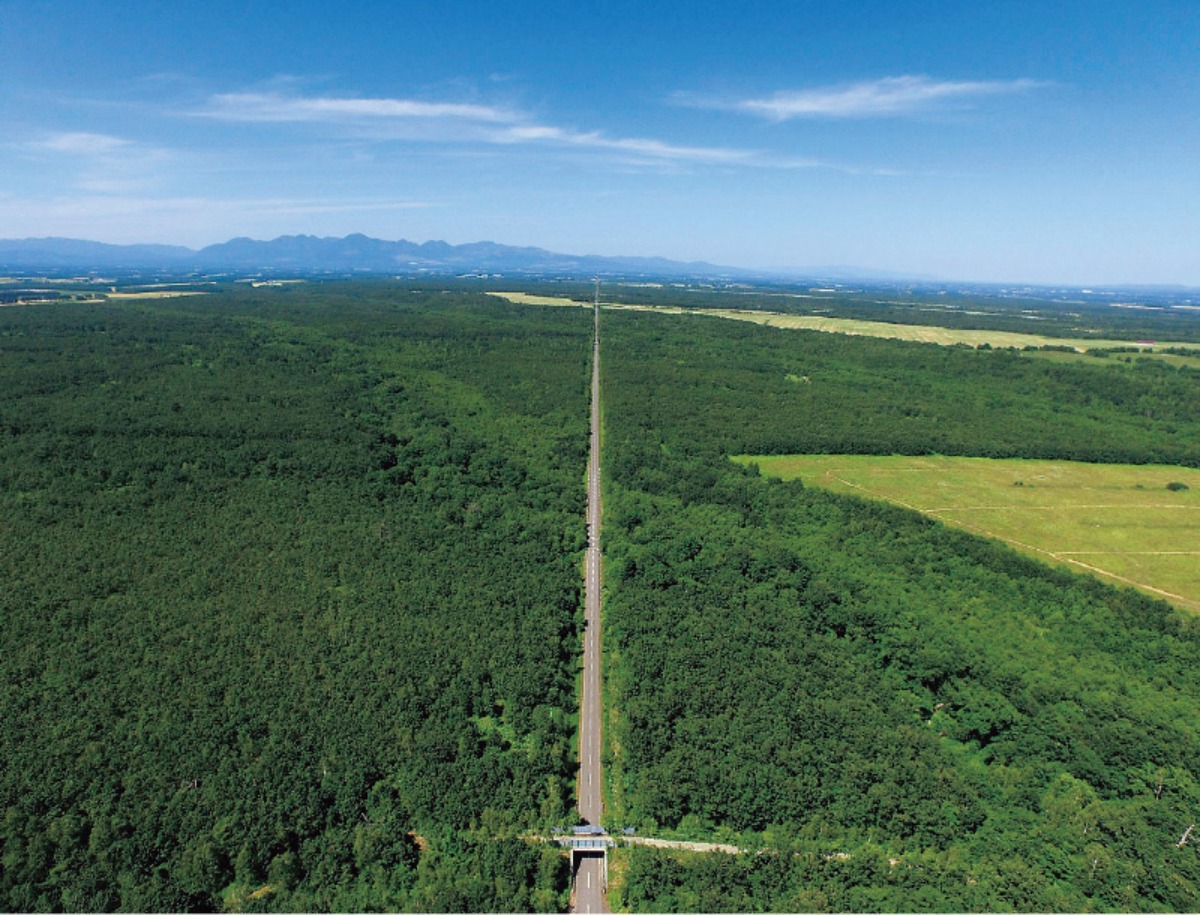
(589, 843)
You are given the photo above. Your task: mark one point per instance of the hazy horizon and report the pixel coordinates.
(839, 273)
(1037, 144)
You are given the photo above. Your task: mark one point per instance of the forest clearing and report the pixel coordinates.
(1137, 524)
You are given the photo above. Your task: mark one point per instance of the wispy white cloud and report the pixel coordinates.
(406, 118)
(465, 126)
(888, 97)
(80, 143)
(645, 150)
(266, 107)
(453, 122)
(635, 146)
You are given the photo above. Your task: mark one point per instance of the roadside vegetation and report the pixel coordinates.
(290, 601)
(899, 716)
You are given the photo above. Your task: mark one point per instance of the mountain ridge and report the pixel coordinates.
(351, 253)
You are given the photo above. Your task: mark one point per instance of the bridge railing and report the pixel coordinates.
(586, 842)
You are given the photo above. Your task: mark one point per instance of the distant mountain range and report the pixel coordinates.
(352, 254)
(361, 254)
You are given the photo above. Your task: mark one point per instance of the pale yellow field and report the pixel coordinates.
(152, 295)
(23, 302)
(524, 298)
(1117, 521)
(943, 336)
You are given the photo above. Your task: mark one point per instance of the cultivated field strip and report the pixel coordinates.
(914, 333)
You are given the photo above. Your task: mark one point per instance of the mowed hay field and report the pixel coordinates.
(526, 298)
(913, 333)
(1118, 521)
(921, 333)
(157, 294)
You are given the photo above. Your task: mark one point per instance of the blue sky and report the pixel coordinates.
(1031, 141)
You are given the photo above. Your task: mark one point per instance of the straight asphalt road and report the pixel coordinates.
(589, 877)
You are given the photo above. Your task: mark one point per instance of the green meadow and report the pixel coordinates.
(1119, 521)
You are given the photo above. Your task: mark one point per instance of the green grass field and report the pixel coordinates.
(1118, 521)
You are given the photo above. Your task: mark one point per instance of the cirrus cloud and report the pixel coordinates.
(890, 96)
(269, 106)
(594, 139)
(406, 118)
(80, 143)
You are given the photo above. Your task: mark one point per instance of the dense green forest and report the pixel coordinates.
(291, 598)
(289, 604)
(745, 389)
(896, 715)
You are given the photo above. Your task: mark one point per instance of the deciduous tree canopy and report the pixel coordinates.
(290, 595)
(904, 716)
